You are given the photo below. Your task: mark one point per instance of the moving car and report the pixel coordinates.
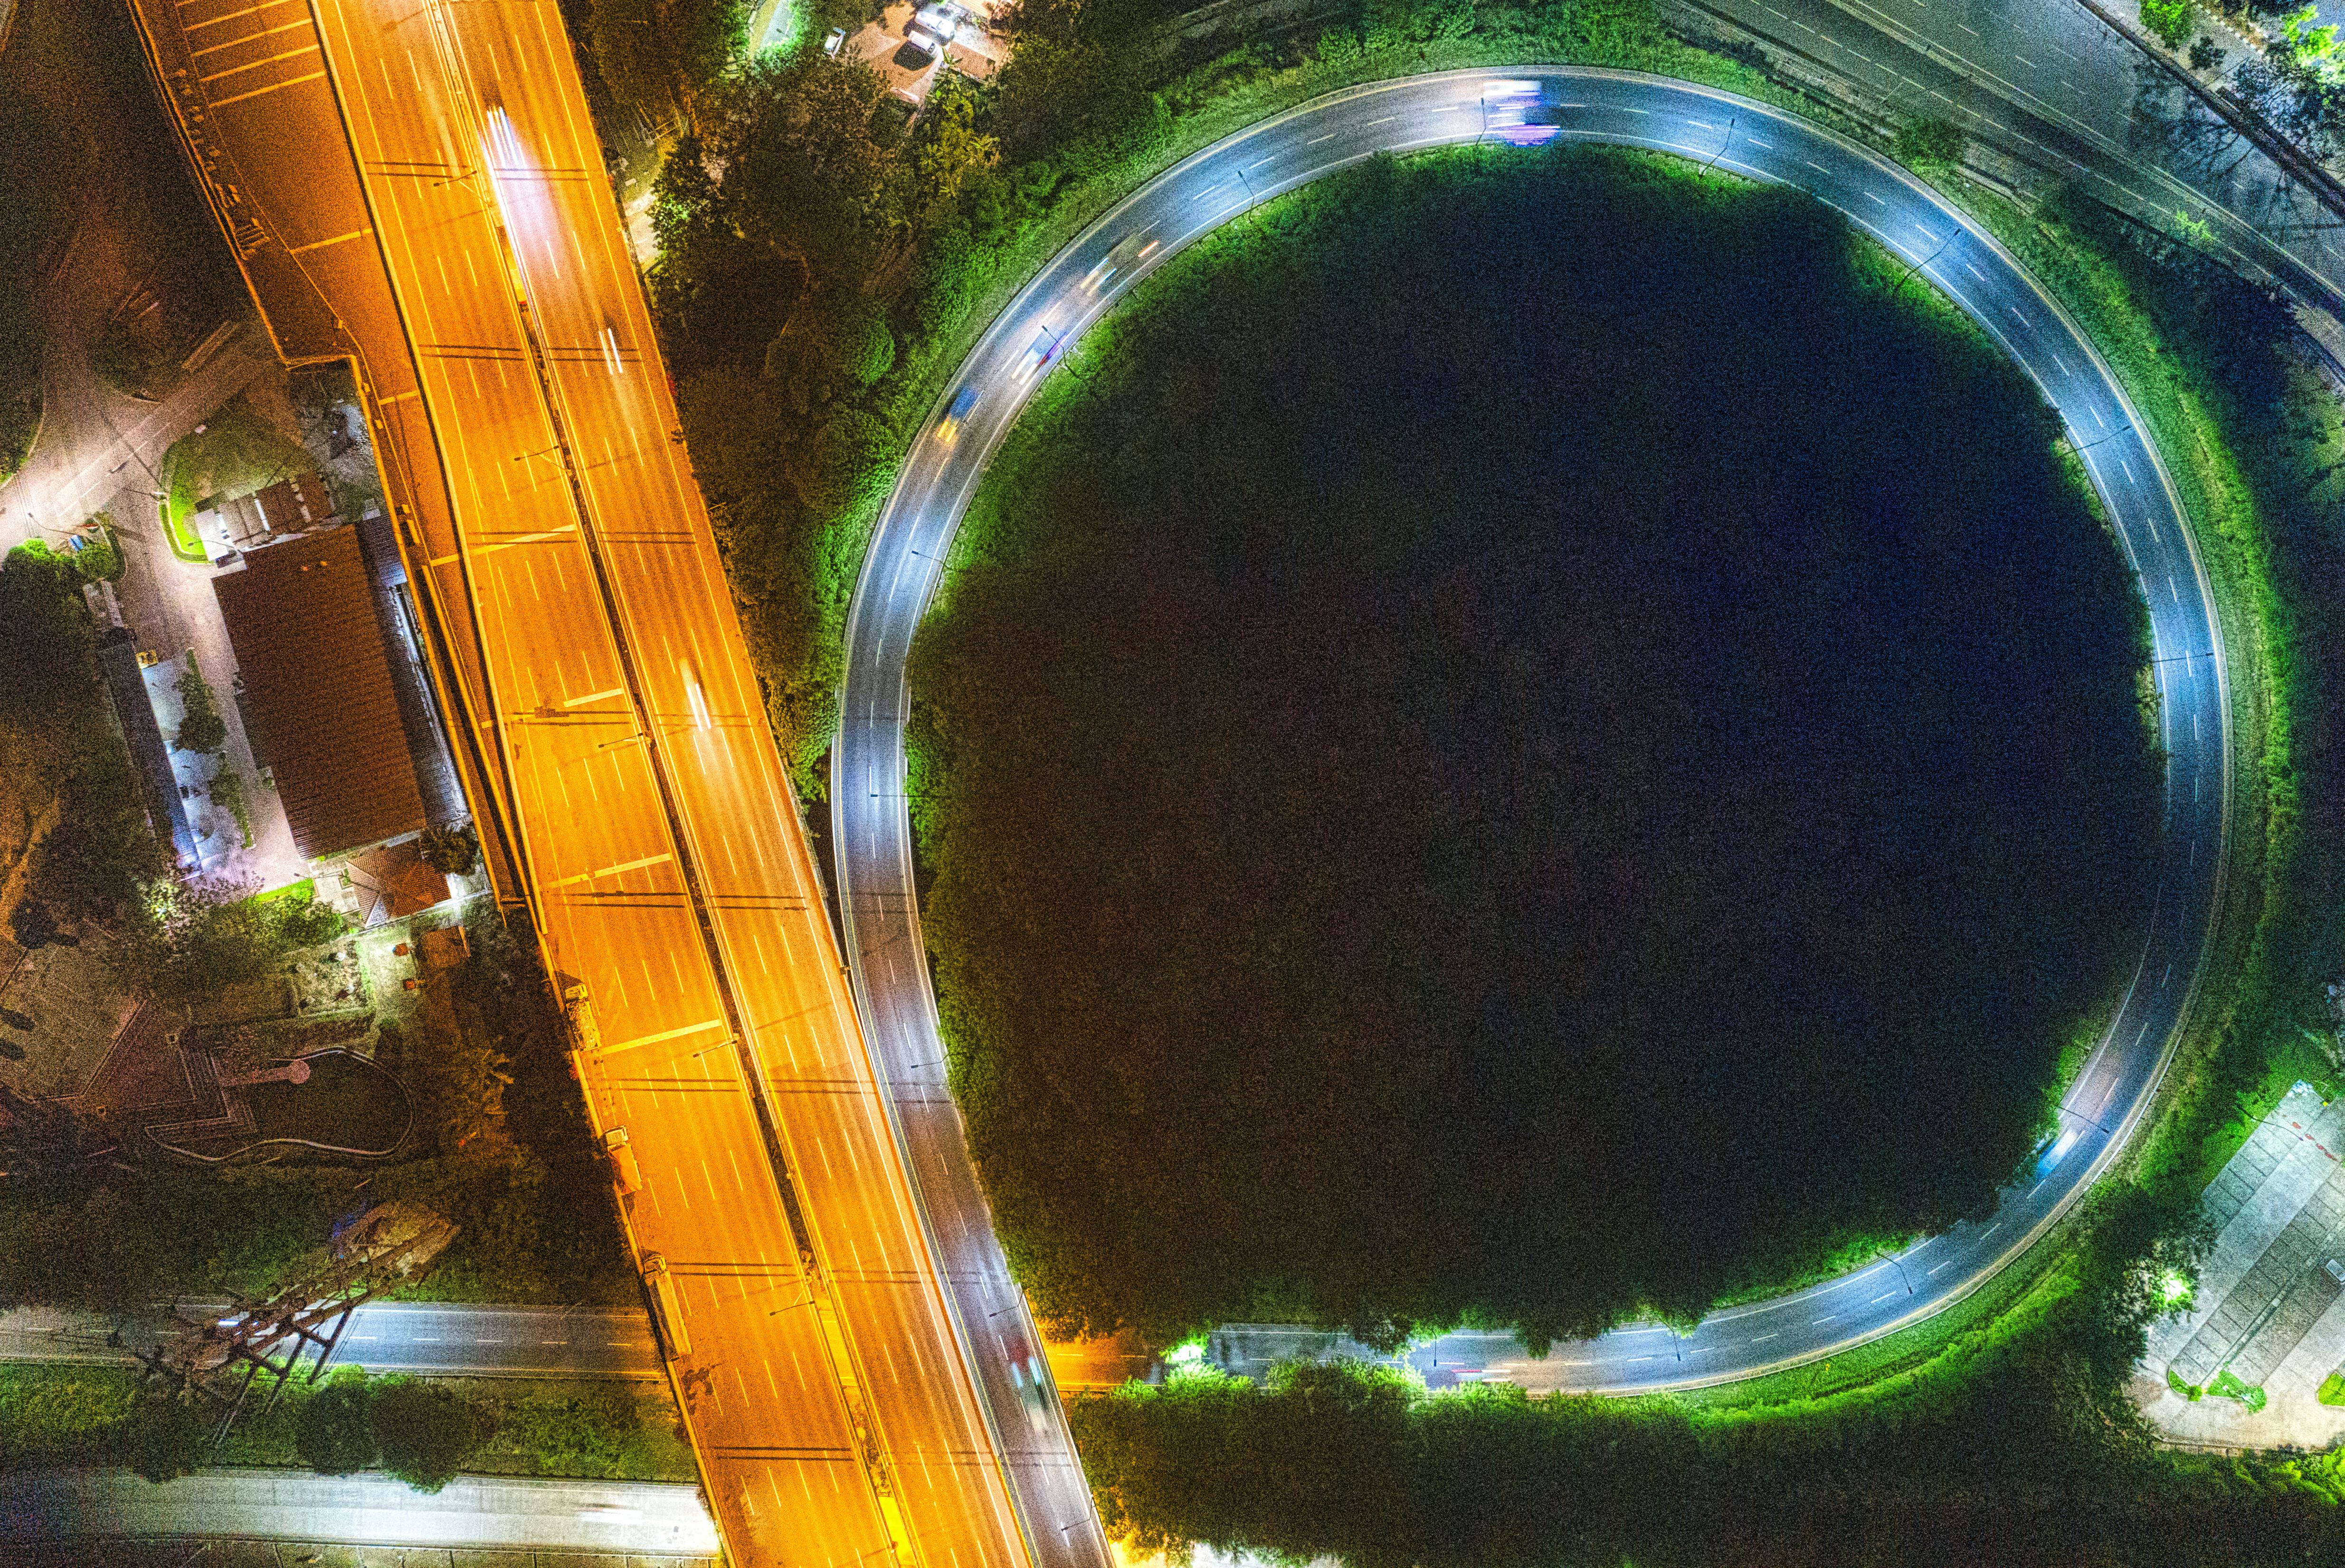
(1039, 354)
(1512, 111)
(948, 427)
(1129, 252)
(624, 1169)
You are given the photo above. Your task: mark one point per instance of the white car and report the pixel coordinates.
(933, 27)
(1039, 354)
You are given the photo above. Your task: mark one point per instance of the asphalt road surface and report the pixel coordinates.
(475, 1511)
(448, 1340)
(825, 1387)
(913, 538)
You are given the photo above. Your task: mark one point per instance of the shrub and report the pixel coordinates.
(332, 1434)
(423, 1432)
(201, 728)
(2169, 19)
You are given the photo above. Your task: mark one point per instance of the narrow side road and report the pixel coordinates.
(475, 1511)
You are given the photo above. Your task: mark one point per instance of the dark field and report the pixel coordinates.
(1523, 739)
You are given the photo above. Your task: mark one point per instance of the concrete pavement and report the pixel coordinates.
(299, 1505)
(2267, 1309)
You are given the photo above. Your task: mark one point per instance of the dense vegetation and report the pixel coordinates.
(1459, 781)
(812, 298)
(502, 1150)
(2015, 1445)
(1998, 1436)
(52, 1416)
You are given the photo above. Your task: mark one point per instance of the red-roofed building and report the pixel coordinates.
(317, 692)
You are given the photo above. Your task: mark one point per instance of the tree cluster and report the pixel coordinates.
(54, 728)
(1463, 780)
(420, 1433)
(2297, 83)
(2016, 1445)
(507, 1153)
(184, 942)
(201, 728)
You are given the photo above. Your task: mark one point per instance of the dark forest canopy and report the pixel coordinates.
(1522, 741)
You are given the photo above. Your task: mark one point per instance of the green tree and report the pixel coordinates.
(834, 347)
(170, 1438)
(2169, 19)
(801, 171)
(331, 1434)
(423, 1433)
(97, 1254)
(44, 648)
(298, 919)
(93, 862)
(99, 560)
(452, 849)
(846, 464)
(657, 56)
(458, 1082)
(949, 154)
(183, 944)
(201, 728)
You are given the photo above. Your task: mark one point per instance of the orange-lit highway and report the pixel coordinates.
(830, 1407)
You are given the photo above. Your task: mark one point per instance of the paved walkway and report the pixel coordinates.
(613, 1516)
(2268, 1310)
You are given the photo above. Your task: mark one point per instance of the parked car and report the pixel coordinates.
(833, 40)
(934, 27)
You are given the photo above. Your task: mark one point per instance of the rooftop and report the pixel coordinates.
(317, 691)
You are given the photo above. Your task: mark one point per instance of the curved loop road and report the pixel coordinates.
(872, 831)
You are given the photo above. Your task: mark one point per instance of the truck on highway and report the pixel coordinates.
(625, 1170)
(668, 1313)
(586, 1035)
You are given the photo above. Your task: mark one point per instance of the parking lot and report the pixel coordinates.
(2269, 1310)
(910, 46)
